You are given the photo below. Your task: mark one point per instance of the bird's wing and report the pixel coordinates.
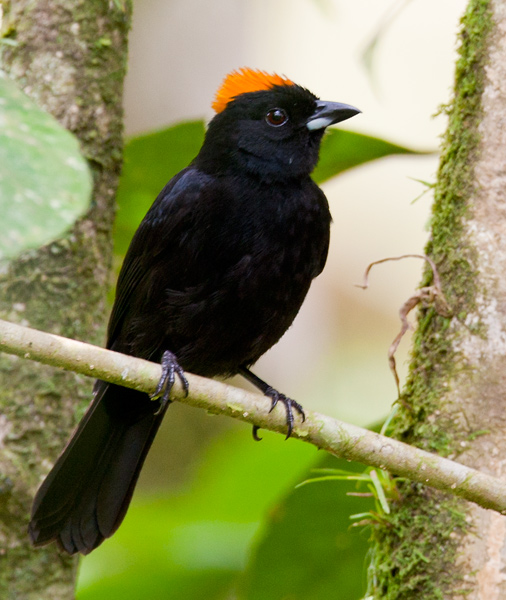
(165, 250)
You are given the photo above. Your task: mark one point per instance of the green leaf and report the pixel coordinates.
(149, 162)
(45, 183)
(342, 150)
(380, 492)
(308, 550)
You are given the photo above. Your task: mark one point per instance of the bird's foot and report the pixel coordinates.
(275, 397)
(170, 368)
(290, 404)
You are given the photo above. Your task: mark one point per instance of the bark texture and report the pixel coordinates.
(435, 546)
(70, 57)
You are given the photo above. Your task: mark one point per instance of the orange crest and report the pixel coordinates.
(245, 80)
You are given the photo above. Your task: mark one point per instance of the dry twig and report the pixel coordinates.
(428, 295)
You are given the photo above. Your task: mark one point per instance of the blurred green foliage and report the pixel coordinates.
(308, 550)
(238, 529)
(45, 183)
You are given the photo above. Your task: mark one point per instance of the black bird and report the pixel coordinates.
(214, 276)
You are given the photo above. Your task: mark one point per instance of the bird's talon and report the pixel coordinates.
(274, 401)
(158, 390)
(164, 403)
(274, 395)
(299, 409)
(255, 433)
(170, 368)
(184, 382)
(290, 404)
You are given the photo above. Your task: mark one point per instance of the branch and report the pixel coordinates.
(341, 439)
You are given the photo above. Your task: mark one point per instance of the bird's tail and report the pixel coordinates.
(86, 495)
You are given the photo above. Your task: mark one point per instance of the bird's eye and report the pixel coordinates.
(276, 117)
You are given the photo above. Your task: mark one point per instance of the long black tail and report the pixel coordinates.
(86, 495)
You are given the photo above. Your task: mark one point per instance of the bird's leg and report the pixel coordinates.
(275, 397)
(170, 368)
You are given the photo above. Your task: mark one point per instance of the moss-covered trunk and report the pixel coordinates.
(436, 546)
(70, 57)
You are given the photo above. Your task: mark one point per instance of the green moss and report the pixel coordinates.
(415, 551)
(434, 362)
(414, 554)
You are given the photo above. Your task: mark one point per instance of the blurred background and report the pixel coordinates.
(209, 498)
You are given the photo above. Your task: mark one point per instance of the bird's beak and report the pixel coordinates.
(328, 113)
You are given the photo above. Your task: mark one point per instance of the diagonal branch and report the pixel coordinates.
(338, 438)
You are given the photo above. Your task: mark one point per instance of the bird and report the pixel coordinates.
(214, 276)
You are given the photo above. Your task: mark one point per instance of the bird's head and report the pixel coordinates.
(267, 125)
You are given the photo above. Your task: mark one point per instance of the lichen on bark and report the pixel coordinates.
(61, 60)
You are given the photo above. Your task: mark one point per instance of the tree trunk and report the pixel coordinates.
(70, 57)
(434, 546)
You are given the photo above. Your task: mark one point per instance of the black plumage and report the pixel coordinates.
(215, 274)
